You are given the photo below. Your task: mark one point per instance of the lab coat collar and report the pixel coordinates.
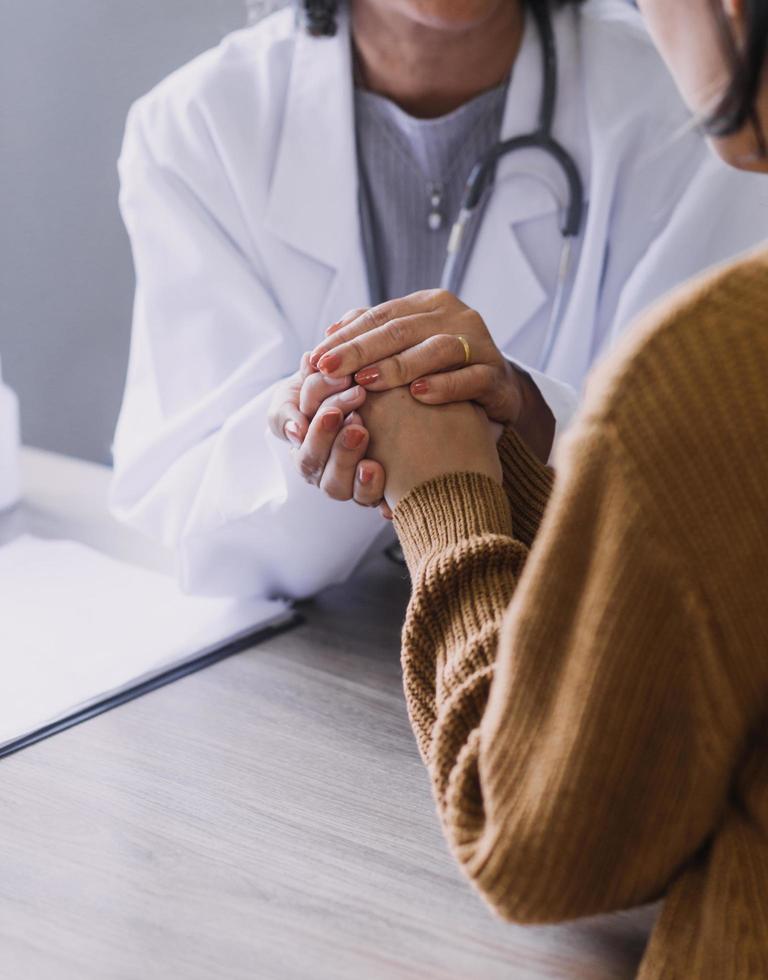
(312, 202)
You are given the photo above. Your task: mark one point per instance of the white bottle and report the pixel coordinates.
(10, 477)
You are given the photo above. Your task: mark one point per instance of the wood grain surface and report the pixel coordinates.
(266, 818)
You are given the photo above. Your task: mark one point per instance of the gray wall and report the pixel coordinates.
(69, 69)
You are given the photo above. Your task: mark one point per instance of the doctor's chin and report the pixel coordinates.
(382, 489)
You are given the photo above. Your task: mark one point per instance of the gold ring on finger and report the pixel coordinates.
(467, 349)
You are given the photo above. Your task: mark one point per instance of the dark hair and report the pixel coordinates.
(320, 15)
(747, 62)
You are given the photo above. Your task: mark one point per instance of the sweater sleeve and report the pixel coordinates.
(565, 735)
(527, 484)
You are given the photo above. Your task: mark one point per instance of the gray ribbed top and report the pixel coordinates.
(403, 162)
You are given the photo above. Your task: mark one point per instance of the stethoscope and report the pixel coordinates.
(479, 188)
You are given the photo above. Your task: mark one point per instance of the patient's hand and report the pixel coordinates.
(416, 442)
(319, 418)
(297, 398)
(327, 421)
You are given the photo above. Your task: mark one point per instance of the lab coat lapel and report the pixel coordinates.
(500, 280)
(313, 199)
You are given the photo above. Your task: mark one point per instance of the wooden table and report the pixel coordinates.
(266, 818)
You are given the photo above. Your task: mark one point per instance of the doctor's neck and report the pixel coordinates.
(431, 56)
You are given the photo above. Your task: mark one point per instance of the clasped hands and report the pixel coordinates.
(388, 401)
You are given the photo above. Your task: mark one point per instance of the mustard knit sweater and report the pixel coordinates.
(594, 715)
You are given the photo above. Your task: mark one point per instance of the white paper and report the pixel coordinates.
(77, 626)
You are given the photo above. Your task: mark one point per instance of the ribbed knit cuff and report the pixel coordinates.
(527, 484)
(448, 510)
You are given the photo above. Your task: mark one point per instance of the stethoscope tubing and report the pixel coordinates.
(481, 179)
(479, 188)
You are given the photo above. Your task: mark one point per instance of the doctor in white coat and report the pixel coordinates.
(240, 195)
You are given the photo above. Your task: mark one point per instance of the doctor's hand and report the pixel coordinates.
(443, 350)
(285, 418)
(416, 442)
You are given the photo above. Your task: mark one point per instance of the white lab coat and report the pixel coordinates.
(239, 193)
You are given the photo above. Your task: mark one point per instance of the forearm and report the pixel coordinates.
(552, 724)
(456, 533)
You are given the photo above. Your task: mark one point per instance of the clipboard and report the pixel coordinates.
(176, 673)
(82, 633)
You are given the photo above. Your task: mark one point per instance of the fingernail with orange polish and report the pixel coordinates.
(419, 387)
(364, 475)
(352, 438)
(330, 420)
(367, 376)
(329, 362)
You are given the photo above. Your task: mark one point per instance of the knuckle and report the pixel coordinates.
(446, 347)
(399, 333)
(488, 378)
(357, 350)
(399, 369)
(429, 297)
(442, 298)
(377, 316)
(352, 314)
(449, 387)
(308, 398)
(475, 323)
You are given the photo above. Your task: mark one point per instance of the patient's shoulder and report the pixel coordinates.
(693, 366)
